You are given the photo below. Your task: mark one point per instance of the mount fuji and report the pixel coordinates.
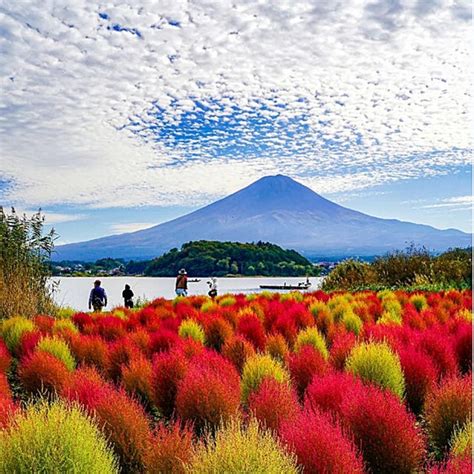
(274, 209)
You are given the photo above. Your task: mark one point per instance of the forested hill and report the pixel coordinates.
(212, 258)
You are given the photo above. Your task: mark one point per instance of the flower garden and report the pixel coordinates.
(320, 383)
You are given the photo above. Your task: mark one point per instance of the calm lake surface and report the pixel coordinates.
(74, 291)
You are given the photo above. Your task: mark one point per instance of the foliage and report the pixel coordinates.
(448, 406)
(377, 363)
(412, 267)
(242, 449)
(59, 349)
(192, 329)
(311, 336)
(55, 438)
(214, 258)
(24, 272)
(320, 444)
(256, 369)
(13, 329)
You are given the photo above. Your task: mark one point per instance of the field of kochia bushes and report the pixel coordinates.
(318, 383)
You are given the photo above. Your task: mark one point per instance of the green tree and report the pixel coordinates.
(24, 270)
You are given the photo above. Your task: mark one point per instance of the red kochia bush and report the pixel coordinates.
(42, 372)
(81, 320)
(120, 353)
(87, 388)
(137, 376)
(385, 431)
(273, 403)
(170, 448)
(420, 375)
(218, 331)
(463, 346)
(320, 444)
(436, 343)
(89, 350)
(454, 465)
(7, 406)
(252, 329)
(209, 392)
(110, 327)
(163, 340)
(28, 343)
(304, 365)
(328, 392)
(342, 345)
(448, 407)
(44, 323)
(125, 424)
(168, 370)
(5, 357)
(237, 349)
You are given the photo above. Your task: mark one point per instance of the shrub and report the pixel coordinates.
(218, 332)
(321, 445)
(273, 403)
(55, 438)
(13, 329)
(420, 374)
(124, 423)
(327, 393)
(352, 322)
(137, 377)
(59, 349)
(461, 441)
(42, 372)
(258, 367)
(237, 349)
(169, 369)
(447, 408)
(252, 329)
(434, 343)
(277, 347)
(171, 448)
(120, 353)
(377, 363)
(384, 430)
(227, 300)
(418, 300)
(192, 329)
(341, 347)
(236, 448)
(209, 392)
(5, 357)
(64, 326)
(162, 340)
(463, 347)
(7, 406)
(311, 336)
(304, 365)
(90, 350)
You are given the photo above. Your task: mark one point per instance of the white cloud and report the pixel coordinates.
(130, 227)
(348, 94)
(452, 204)
(51, 218)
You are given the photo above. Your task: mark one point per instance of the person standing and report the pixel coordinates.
(97, 297)
(127, 296)
(182, 283)
(212, 287)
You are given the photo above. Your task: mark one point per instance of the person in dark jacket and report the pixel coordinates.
(127, 296)
(182, 283)
(97, 297)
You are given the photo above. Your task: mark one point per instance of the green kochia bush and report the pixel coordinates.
(377, 363)
(192, 329)
(13, 329)
(311, 336)
(239, 449)
(55, 438)
(59, 349)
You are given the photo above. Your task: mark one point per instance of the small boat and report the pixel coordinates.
(194, 280)
(300, 286)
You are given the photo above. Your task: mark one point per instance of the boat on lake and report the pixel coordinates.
(303, 285)
(194, 280)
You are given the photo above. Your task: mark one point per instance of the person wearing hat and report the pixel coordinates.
(182, 283)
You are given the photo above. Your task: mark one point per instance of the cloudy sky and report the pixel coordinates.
(121, 114)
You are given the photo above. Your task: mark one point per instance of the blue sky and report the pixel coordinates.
(117, 116)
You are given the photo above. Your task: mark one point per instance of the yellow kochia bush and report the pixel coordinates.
(311, 336)
(257, 368)
(242, 449)
(192, 329)
(375, 362)
(59, 349)
(12, 330)
(55, 438)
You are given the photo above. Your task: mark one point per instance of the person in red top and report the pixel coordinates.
(182, 283)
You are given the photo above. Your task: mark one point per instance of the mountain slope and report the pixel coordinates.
(276, 209)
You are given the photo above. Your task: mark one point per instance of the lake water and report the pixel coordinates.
(74, 291)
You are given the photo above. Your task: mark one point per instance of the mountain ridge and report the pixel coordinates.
(274, 209)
